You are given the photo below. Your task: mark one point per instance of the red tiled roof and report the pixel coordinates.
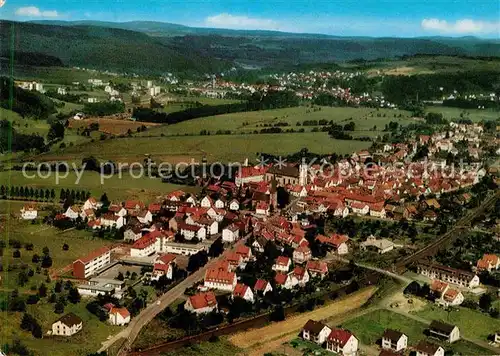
(161, 267)
(317, 266)
(299, 272)
(282, 261)
(147, 240)
(339, 336)
(220, 276)
(203, 300)
(438, 286)
(99, 252)
(280, 278)
(240, 290)
(167, 258)
(154, 207)
(260, 285)
(132, 204)
(122, 311)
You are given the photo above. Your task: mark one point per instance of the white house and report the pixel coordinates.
(220, 279)
(61, 91)
(73, 212)
(147, 245)
(230, 233)
(234, 205)
(220, 203)
(91, 203)
(342, 342)
(262, 286)
(67, 325)
(282, 264)
(262, 208)
(302, 254)
(29, 212)
(444, 331)
(118, 210)
(300, 276)
(112, 220)
(132, 233)
(191, 231)
(145, 217)
(119, 316)
(243, 291)
(206, 202)
(315, 331)
(163, 266)
(360, 208)
(394, 340)
(201, 303)
(283, 280)
(425, 348)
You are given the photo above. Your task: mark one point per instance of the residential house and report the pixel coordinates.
(342, 342)
(112, 220)
(282, 264)
(220, 279)
(29, 212)
(315, 331)
(133, 233)
(73, 212)
(337, 241)
(231, 233)
(119, 316)
(145, 217)
(394, 340)
(302, 254)
(377, 210)
(300, 276)
(445, 295)
(243, 291)
(147, 245)
(88, 265)
(244, 251)
(117, 209)
(425, 348)
(206, 202)
(91, 203)
(448, 274)
(191, 231)
(259, 244)
(134, 207)
(360, 208)
(262, 208)
(381, 245)
(317, 268)
(220, 203)
(262, 286)
(444, 331)
(234, 205)
(283, 280)
(201, 303)
(164, 266)
(488, 263)
(67, 325)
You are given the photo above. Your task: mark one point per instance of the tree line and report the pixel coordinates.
(273, 100)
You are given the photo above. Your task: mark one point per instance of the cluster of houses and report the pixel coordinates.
(70, 324)
(393, 342)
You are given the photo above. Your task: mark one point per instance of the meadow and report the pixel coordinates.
(471, 323)
(369, 328)
(246, 122)
(116, 187)
(222, 148)
(474, 115)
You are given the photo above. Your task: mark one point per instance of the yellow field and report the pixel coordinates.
(262, 340)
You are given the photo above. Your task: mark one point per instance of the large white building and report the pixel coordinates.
(86, 266)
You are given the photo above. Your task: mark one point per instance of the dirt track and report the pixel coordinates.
(262, 340)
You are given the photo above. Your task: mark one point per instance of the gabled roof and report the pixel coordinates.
(392, 335)
(70, 320)
(94, 254)
(427, 347)
(167, 258)
(314, 327)
(122, 311)
(442, 327)
(203, 300)
(260, 285)
(239, 290)
(280, 278)
(282, 261)
(340, 336)
(317, 266)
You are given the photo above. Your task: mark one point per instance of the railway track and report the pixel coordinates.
(449, 236)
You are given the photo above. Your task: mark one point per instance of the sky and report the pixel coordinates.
(395, 18)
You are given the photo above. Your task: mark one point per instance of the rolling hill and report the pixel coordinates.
(143, 46)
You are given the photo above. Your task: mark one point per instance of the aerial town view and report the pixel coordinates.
(274, 178)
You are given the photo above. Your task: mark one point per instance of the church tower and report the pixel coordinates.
(303, 174)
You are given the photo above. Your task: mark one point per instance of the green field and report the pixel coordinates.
(87, 341)
(116, 188)
(474, 115)
(215, 147)
(471, 323)
(370, 327)
(246, 122)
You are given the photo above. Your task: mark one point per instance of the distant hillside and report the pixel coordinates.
(107, 48)
(157, 46)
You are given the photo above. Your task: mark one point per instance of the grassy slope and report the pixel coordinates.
(474, 115)
(364, 118)
(471, 323)
(116, 188)
(216, 148)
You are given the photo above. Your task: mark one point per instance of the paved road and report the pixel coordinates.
(148, 314)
